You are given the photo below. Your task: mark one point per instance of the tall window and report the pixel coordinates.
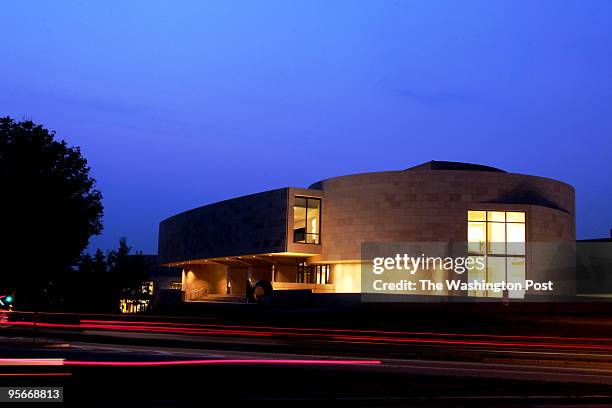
(499, 236)
(307, 220)
(303, 273)
(321, 274)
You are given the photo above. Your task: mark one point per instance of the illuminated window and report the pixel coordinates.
(500, 237)
(176, 286)
(312, 273)
(516, 274)
(303, 273)
(133, 306)
(478, 275)
(477, 215)
(307, 220)
(477, 237)
(321, 274)
(515, 238)
(496, 216)
(496, 273)
(515, 217)
(496, 238)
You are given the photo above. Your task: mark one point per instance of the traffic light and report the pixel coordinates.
(6, 300)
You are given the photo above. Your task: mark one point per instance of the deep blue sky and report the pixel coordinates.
(179, 104)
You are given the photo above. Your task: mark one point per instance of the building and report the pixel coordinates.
(594, 267)
(311, 238)
(158, 285)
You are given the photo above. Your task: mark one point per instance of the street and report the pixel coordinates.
(213, 360)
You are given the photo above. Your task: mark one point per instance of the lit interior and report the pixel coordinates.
(500, 237)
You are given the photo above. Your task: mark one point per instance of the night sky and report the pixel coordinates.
(180, 104)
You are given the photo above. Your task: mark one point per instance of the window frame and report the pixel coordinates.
(506, 255)
(306, 234)
(313, 274)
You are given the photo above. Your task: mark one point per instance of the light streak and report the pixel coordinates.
(222, 362)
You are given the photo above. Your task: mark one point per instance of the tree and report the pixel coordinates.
(99, 261)
(49, 207)
(118, 260)
(129, 270)
(86, 263)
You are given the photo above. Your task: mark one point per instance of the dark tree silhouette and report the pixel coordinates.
(99, 262)
(116, 275)
(86, 263)
(49, 207)
(118, 260)
(129, 270)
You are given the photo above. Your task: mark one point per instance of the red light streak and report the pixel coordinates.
(145, 328)
(63, 362)
(220, 362)
(35, 374)
(31, 361)
(474, 342)
(378, 337)
(349, 331)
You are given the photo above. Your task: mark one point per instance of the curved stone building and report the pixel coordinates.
(312, 238)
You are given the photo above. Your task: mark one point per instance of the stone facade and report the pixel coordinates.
(426, 203)
(252, 224)
(431, 206)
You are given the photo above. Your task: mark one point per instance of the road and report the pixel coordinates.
(182, 358)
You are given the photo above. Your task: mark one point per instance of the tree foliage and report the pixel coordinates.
(49, 205)
(126, 273)
(129, 270)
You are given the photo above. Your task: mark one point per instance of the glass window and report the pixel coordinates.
(299, 220)
(496, 273)
(477, 237)
(303, 273)
(321, 274)
(477, 274)
(516, 238)
(477, 215)
(503, 235)
(496, 238)
(516, 274)
(496, 216)
(307, 220)
(312, 273)
(313, 215)
(515, 216)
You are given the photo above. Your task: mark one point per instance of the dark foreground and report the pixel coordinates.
(269, 385)
(471, 360)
